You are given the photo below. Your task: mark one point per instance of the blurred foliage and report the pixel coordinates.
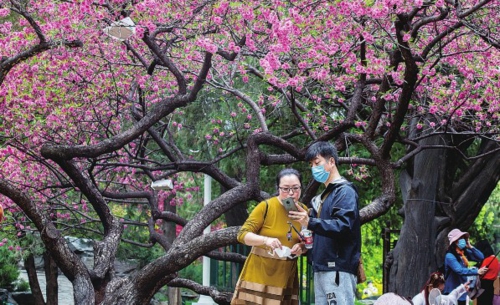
(9, 258)
(487, 223)
(193, 272)
(21, 285)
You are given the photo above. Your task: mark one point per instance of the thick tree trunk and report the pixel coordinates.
(441, 191)
(415, 247)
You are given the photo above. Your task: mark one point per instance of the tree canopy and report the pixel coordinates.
(407, 89)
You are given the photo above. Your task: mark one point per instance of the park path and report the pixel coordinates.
(65, 288)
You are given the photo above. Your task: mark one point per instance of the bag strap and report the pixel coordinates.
(487, 266)
(267, 208)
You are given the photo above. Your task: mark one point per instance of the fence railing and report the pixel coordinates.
(224, 275)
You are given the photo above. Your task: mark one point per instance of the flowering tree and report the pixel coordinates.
(89, 121)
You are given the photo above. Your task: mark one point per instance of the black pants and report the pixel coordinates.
(486, 298)
(461, 303)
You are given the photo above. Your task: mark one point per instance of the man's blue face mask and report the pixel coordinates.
(461, 243)
(319, 173)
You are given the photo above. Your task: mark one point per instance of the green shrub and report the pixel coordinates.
(8, 264)
(22, 285)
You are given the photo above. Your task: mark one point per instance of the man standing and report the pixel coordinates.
(335, 223)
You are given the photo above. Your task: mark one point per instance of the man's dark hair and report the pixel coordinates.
(324, 149)
(287, 172)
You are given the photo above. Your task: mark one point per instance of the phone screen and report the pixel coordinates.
(289, 204)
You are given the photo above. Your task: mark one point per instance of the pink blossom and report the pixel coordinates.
(217, 20)
(221, 9)
(292, 82)
(207, 45)
(4, 12)
(247, 13)
(139, 31)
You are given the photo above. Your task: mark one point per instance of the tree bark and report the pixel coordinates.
(29, 265)
(415, 247)
(51, 274)
(174, 293)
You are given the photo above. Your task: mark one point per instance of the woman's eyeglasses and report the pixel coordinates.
(288, 189)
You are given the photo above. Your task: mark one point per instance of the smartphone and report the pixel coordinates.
(289, 204)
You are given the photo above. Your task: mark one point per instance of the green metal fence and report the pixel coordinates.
(224, 275)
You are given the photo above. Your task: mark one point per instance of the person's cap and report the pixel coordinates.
(455, 235)
(391, 299)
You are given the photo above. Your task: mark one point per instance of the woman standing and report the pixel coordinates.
(456, 261)
(491, 262)
(267, 278)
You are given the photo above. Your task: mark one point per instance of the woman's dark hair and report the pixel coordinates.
(436, 279)
(288, 172)
(485, 247)
(453, 250)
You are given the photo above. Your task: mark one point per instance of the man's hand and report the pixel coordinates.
(301, 216)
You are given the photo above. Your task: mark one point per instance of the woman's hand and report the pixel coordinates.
(298, 249)
(272, 242)
(482, 271)
(466, 285)
(301, 216)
